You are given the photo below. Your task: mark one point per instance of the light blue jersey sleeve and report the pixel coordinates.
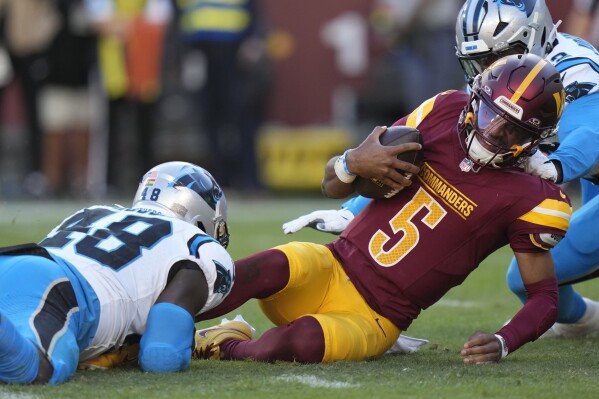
(579, 137)
(356, 204)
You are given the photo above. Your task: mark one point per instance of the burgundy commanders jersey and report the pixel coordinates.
(404, 253)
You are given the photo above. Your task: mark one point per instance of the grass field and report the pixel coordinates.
(543, 369)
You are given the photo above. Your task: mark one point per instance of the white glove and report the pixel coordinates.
(405, 344)
(330, 221)
(539, 165)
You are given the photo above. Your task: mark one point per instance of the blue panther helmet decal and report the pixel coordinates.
(188, 192)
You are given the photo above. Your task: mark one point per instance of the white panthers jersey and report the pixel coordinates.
(578, 64)
(126, 256)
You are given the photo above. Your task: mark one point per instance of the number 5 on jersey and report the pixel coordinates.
(402, 223)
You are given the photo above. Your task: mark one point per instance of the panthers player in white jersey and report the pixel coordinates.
(108, 272)
(487, 30)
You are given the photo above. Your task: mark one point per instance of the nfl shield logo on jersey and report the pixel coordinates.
(466, 165)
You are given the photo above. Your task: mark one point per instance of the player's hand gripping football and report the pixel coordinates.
(371, 159)
(330, 221)
(480, 348)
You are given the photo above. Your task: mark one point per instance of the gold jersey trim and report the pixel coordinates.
(451, 196)
(551, 213)
(418, 115)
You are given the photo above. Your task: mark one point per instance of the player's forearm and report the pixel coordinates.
(536, 316)
(579, 138)
(576, 158)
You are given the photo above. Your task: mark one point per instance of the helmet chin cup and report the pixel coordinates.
(517, 150)
(481, 155)
(470, 118)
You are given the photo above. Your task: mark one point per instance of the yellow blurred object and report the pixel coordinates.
(125, 355)
(294, 159)
(208, 340)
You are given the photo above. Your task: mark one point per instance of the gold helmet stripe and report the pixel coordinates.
(526, 82)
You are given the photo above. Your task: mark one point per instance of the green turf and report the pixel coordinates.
(543, 369)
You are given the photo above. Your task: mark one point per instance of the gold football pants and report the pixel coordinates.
(318, 287)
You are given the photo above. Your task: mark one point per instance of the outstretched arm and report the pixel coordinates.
(536, 316)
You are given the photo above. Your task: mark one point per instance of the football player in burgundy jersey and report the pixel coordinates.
(485, 31)
(350, 299)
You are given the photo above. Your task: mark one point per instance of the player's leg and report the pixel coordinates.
(301, 340)
(588, 191)
(320, 316)
(256, 276)
(40, 317)
(318, 339)
(19, 357)
(309, 269)
(354, 333)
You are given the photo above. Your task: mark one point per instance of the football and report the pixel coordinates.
(394, 135)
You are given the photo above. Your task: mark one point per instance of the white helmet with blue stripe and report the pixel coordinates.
(187, 192)
(487, 30)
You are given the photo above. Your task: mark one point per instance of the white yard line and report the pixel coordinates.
(5, 394)
(456, 303)
(316, 382)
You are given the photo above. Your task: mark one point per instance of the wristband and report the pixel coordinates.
(341, 170)
(504, 350)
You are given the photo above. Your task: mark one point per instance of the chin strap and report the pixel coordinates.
(470, 118)
(517, 150)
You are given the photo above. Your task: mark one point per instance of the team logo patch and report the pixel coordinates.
(576, 90)
(224, 280)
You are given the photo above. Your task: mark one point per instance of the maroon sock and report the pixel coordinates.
(301, 340)
(256, 276)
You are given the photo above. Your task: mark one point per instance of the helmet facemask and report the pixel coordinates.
(492, 137)
(474, 64)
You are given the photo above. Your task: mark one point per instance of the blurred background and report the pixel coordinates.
(260, 92)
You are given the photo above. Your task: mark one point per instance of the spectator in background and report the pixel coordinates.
(64, 102)
(230, 37)
(418, 39)
(583, 21)
(29, 27)
(130, 44)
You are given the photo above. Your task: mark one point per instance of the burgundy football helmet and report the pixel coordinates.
(515, 104)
